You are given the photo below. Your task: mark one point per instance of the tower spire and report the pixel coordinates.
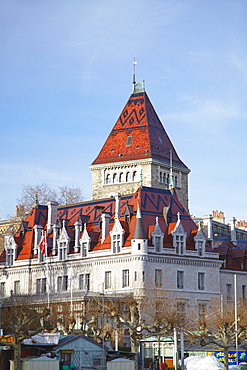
(171, 183)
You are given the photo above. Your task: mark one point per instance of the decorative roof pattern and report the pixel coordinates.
(138, 134)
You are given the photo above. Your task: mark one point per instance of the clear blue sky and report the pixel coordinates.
(66, 73)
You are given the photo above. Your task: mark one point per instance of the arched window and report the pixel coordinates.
(161, 177)
(168, 179)
(121, 177)
(175, 181)
(164, 178)
(127, 176)
(107, 179)
(134, 176)
(114, 178)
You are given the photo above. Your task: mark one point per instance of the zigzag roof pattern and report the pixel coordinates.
(138, 134)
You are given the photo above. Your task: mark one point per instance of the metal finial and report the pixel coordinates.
(141, 182)
(134, 74)
(36, 198)
(171, 184)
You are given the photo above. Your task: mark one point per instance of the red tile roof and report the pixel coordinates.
(151, 201)
(137, 134)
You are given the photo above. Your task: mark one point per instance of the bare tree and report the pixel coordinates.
(42, 194)
(125, 311)
(217, 328)
(61, 318)
(95, 321)
(20, 320)
(160, 315)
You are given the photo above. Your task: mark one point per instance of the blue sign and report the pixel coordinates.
(232, 357)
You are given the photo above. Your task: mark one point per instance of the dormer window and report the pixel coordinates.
(10, 256)
(180, 244)
(63, 244)
(157, 237)
(179, 237)
(199, 247)
(85, 242)
(11, 249)
(200, 242)
(117, 237)
(62, 251)
(116, 243)
(157, 244)
(84, 249)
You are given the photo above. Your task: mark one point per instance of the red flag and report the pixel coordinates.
(43, 245)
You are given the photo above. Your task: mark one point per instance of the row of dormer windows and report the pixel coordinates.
(82, 246)
(117, 243)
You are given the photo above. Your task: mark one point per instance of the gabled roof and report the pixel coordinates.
(138, 134)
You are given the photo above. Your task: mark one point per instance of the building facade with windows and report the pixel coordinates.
(135, 234)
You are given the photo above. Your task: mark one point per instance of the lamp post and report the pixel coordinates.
(236, 317)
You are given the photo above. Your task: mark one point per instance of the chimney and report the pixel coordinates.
(219, 216)
(242, 225)
(55, 229)
(233, 230)
(117, 207)
(37, 237)
(105, 219)
(207, 226)
(52, 215)
(77, 225)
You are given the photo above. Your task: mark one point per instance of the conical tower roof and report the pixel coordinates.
(138, 134)
(139, 232)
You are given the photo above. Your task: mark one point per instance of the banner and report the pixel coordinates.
(232, 357)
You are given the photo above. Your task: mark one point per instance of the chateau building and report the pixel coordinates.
(135, 234)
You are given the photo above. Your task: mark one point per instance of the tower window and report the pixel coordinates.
(107, 179)
(127, 176)
(114, 178)
(121, 177)
(134, 176)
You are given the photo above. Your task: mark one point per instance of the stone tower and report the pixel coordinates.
(138, 152)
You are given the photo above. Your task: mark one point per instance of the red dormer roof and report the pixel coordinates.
(138, 134)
